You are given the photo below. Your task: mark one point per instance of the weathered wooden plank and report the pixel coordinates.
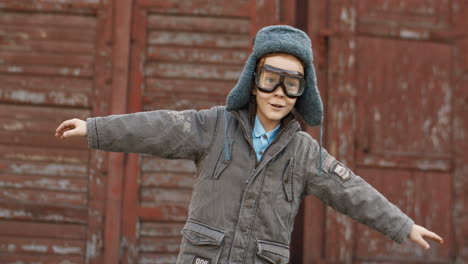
(70, 156)
(25, 112)
(153, 164)
(193, 71)
(69, 60)
(146, 258)
(175, 102)
(46, 96)
(164, 213)
(45, 168)
(167, 180)
(40, 259)
(194, 39)
(152, 197)
(84, 7)
(16, 211)
(44, 182)
(47, 70)
(64, 47)
(42, 196)
(44, 19)
(22, 245)
(32, 33)
(55, 83)
(421, 13)
(198, 7)
(159, 245)
(161, 229)
(198, 55)
(42, 230)
(176, 86)
(198, 24)
(38, 140)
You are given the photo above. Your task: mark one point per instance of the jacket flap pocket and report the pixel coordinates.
(273, 252)
(202, 234)
(288, 180)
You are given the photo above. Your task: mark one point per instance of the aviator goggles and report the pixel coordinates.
(269, 78)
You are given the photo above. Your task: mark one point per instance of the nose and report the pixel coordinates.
(279, 91)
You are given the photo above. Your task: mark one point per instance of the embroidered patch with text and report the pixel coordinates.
(200, 260)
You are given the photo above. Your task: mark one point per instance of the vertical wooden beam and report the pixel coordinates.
(460, 133)
(313, 21)
(120, 72)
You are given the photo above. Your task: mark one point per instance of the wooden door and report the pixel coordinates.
(393, 74)
(184, 55)
(52, 67)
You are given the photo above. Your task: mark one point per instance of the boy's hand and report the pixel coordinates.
(418, 233)
(71, 128)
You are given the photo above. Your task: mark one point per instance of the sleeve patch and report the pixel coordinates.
(342, 172)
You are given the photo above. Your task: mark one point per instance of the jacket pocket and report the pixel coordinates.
(272, 252)
(201, 243)
(288, 180)
(223, 161)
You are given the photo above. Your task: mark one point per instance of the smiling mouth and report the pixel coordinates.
(277, 105)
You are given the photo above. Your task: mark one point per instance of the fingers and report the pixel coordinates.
(67, 129)
(433, 236)
(419, 240)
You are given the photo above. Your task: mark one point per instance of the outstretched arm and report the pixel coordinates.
(349, 194)
(170, 134)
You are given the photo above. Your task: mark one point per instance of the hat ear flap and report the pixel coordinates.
(240, 94)
(309, 105)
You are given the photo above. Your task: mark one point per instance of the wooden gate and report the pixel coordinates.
(393, 74)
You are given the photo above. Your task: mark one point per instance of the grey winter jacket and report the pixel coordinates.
(242, 210)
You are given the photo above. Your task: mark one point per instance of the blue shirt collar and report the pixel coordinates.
(259, 131)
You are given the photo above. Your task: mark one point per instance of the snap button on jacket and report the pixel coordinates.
(242, 210)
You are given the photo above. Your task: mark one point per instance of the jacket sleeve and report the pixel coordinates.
(168, 134)
(349, 194)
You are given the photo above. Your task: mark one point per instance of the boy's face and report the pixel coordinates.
(272, 107)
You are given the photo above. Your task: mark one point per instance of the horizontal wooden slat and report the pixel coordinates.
(164, 213)
(175, 102)
(26, 112)
(33, 211)
(82, 7)
(225, 8)
(42, 168)
(194, 39)
(49, 140)
(44, 183)
(47, 70)
(44, 19)
(159, 245)
(150, 197)
(70, 156)
(50, 59)
(209, 87)
(46, 96)
(145, 258)
(198, 55)
(163, 165)
(154, 229)
(167, 180)
(53, 83)
(62, 47)
(193, 71)
(42, 230)
(39, 245)
(42, 196)
(39, 259)
(33, 33)
(198, 24)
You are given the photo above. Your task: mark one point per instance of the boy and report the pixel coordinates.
(254, 165)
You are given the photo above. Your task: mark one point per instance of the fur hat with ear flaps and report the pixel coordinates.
(281, 39)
